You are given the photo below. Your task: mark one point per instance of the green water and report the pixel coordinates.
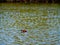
(42, 22)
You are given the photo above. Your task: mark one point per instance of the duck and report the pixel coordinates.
(23, 31)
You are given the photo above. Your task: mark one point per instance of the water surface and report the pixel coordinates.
(42, 22)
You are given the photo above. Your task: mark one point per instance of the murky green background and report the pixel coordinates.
(42, 22)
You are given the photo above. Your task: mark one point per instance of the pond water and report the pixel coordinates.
(41, 21)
